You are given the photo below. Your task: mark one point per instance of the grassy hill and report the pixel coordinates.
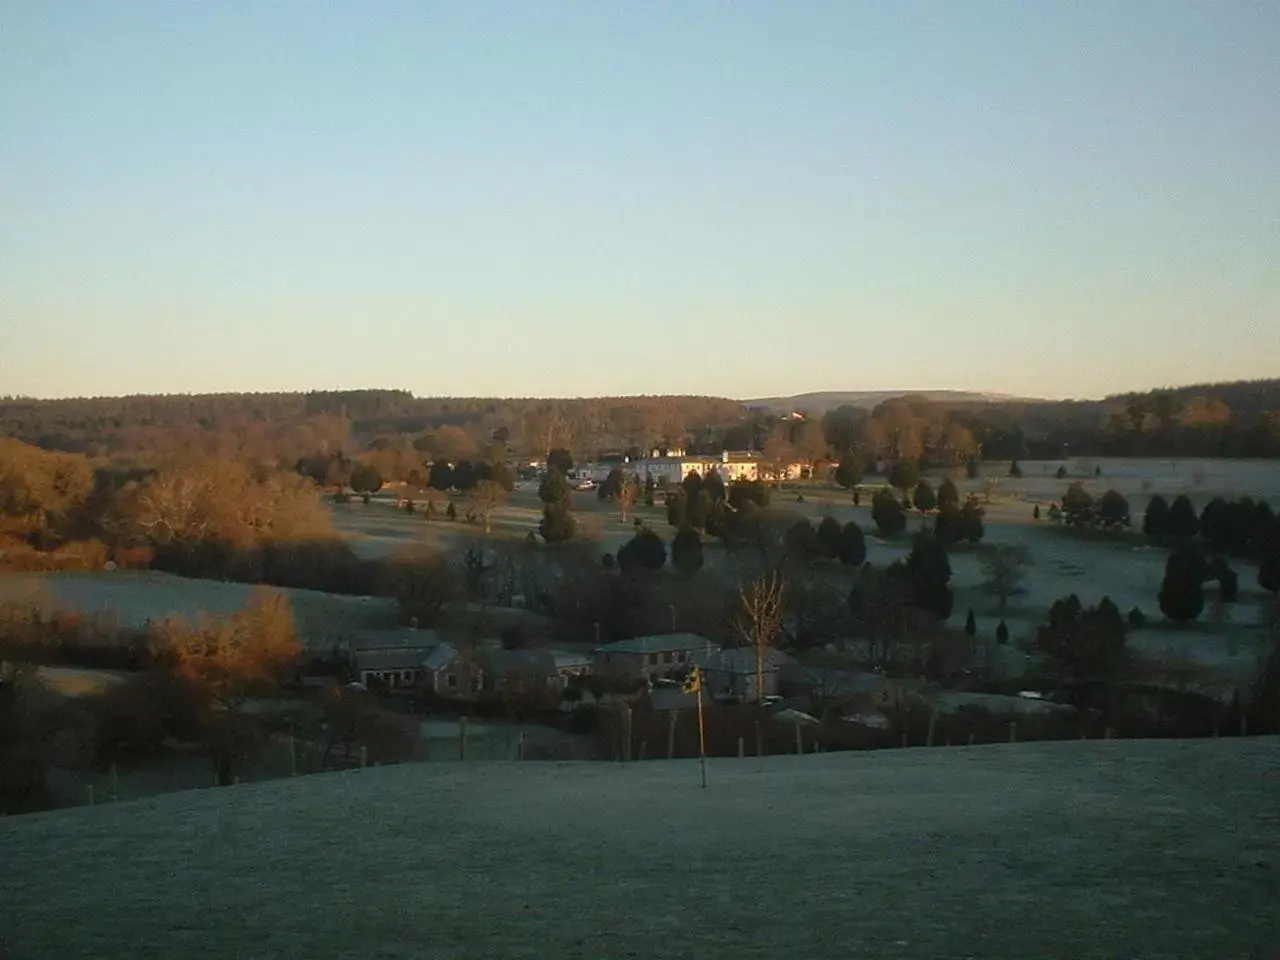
(1100, 849)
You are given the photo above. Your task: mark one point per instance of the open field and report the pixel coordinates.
(1153, 849)
(130, 599)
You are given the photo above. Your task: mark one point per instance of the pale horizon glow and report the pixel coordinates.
(583, 199)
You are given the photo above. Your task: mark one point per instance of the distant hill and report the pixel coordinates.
(820, 403)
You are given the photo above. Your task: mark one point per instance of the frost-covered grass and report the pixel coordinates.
(1101, 849)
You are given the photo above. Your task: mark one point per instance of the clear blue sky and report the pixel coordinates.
(745, 199)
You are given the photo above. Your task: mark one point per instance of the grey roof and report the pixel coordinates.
(440, 657)
(390, 659)
(743, 660)
(659, 643)
(402, 639)
(543, 662)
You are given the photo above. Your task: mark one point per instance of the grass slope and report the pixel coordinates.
(1101, 849)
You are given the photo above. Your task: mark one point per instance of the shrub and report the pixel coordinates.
(686, 551)
(887, 513)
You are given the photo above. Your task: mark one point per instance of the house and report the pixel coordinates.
(412, 660)
(528, 671)
(732, 674)
(856, 688)
(661, 655)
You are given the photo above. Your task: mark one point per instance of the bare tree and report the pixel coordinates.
(626, 495)
(1005, 567)
(777, 454)
(489, 495)
(760, 617)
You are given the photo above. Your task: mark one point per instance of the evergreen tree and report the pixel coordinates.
(924, 498)
(1113, 509)
(1155, 522)
(853, 545)
(692, 483)
(887, 513)
(699, 508)
(1002, 633)
(928, 572)
(1077, 505)
(904, 475)
(972, 469)
(686, 550)
(678, 509)
(555, 489)
(1035, 513)
(849, 471)
(1183, 522)
(441, 476)
(830, 534)
(559, 460)
(949, 525)
(970, 625)
(558, 523)
(948, 494)
(713, 484)
(1015, 470)
(1182, 592)
(802, 541)
(971, 520)
(643, 551)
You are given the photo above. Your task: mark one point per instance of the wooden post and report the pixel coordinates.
(933, 719)
(672, 717)
(462, 738)
(364, 755)
(520, 746)
(235, 781)
(1013, 731)
(1244, 723)
(817, 747)
(742, 748)
(115, 783)
(759, 741)
(644, 748)
(89, 790)
(293, 756)
(799, 739)
(626, 732)
(971, 739)
(1108, 733)
(904, 741)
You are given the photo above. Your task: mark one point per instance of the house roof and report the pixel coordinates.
(402, 639)
(440, 657)
(544, 662)
(659, 643)
(743, 660)
(390, 659)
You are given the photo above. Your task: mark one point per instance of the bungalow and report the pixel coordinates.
(412, 660)
(655, 656)
(732, 674)
(527, 671)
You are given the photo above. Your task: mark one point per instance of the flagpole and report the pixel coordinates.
(702, 736)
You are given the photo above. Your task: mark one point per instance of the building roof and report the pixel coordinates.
(543, 662)
(402, 639)
(659, 643)
(743, 660)
(390, 659)
(440, 657)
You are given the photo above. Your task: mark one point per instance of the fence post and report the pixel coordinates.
(644, 747)
(672, 717)
(90, 792)
(520, 746)
(742, 748)
(364, 755)
(1244, 724)
(115, 783)
(293, 756)
(462, 738)
(933, 719)
(1013, 731)
(904, 740)
(1108, 733)
(799, 739)
(971, 739)
(626, 732)
(759, 741)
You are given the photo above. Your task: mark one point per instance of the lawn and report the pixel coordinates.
(1082, 850)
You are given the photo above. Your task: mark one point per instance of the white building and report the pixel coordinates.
(742, 465)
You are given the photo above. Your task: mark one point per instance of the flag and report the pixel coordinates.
(693, 682)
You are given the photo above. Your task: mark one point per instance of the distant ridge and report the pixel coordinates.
(819, 403)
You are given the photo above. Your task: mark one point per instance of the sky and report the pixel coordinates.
(592, 198)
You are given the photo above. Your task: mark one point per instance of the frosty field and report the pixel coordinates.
(1152, 849)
